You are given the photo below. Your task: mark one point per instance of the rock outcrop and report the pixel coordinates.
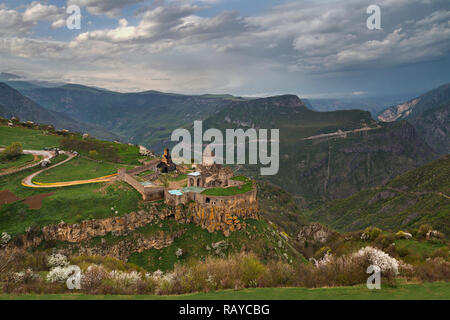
(313, 234)
(216, 218)
(93, 228)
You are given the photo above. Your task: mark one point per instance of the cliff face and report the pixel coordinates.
(338, 167)
(434, 127)
(78, 237)
(89, 229)
(430, 116)
(217, 218)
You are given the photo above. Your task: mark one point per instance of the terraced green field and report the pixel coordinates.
(70, 204)
(78, 169)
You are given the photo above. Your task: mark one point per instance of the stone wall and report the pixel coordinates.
(149, 193)
(242, 199)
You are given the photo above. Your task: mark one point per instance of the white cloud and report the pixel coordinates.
(111, 8)
(38, 12)
(175, 41)
(16, 23)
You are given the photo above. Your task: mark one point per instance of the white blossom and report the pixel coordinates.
(378, 258)
(25, 276)
(57, 260)
(4, 239)
(125, 278)
(59, 274)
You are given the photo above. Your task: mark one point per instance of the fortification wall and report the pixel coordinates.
(242, 199)
(149, 193)
(151, 165)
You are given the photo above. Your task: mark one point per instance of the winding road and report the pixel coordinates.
(28, 181)
(46, 155)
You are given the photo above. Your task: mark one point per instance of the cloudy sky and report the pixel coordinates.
(316, 48)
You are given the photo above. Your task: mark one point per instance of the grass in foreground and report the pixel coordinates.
(425, 291)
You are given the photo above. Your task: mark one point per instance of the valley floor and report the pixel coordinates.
(422, 291)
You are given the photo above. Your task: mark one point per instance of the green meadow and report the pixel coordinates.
(423, 291)
(30, 139)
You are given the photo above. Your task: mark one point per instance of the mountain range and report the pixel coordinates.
(323, 155)
(146, 118)
(14, 104)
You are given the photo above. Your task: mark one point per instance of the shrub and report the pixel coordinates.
(322, 252)
(423, 229)
(59, 274)
(251, 270)
(434, 270)
(277, 274)
(25, 276)
(370, 233)
(92, 278)
(125, 279)
(12, 151)
(441, 252)
(4, 239)
(57, 260)
(379, 258)
(93, 154)
(384, 241)
(403, 252)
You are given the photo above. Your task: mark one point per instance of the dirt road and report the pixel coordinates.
(28, 181)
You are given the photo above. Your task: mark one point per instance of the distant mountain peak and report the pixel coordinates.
(282, 101)
(5, 76)
(429, 114)
(413, 107)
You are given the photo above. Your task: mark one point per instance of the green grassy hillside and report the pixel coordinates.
(85, 202)
(14, 104)
(78, 169)
(20, 161)
(30, 139)
(417, 197)
(70, 204)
